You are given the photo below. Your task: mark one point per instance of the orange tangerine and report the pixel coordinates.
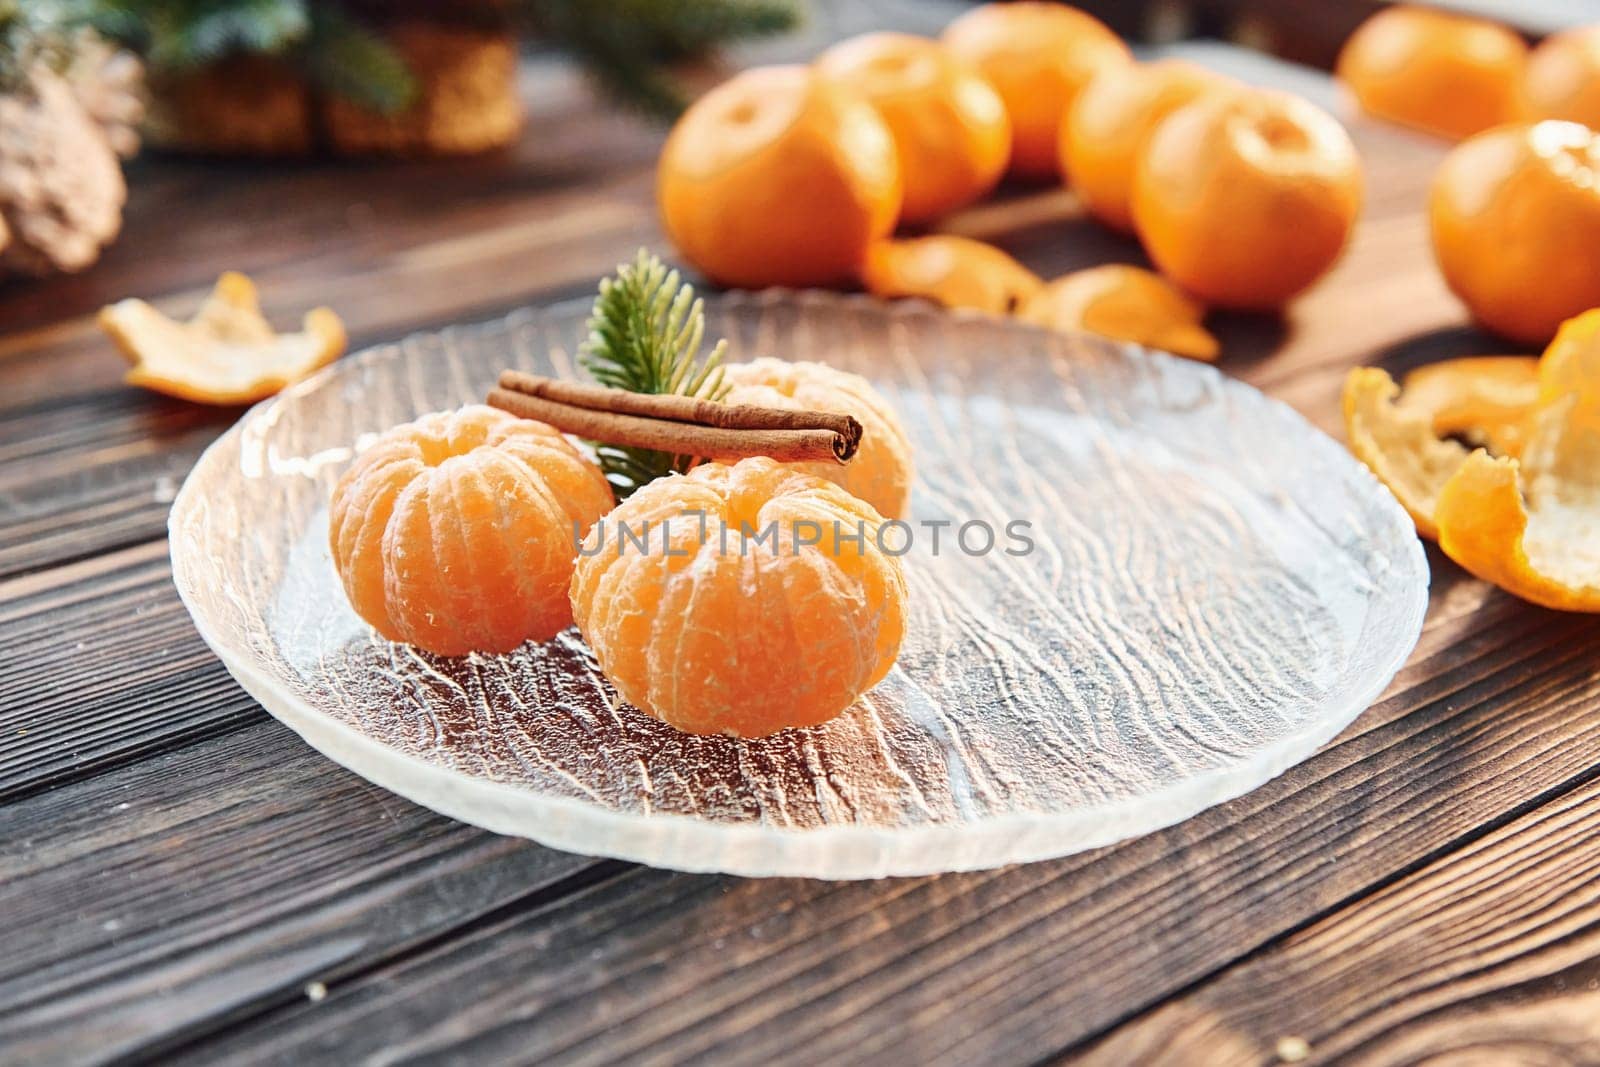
(1449, 75)
(777, 177)
(1039, 56)
(1104, 130)
(949, 125)
(711, 632)
(956, 272)
(881, 472)
(1515, 217)
(1563, 78)
(1246, 198)
(458, 532)
(1126, 303)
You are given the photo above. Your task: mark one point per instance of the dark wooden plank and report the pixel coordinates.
(1493, 949)
(103, 665)
(225, 877)
(994, 967)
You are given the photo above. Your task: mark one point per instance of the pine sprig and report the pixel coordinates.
(630, 46)
(645, 335)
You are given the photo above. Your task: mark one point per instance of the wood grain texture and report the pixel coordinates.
(1418, 970)
(988, 967)
(221, 878)
(96, 653)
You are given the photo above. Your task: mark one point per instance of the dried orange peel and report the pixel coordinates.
(228, 353)
(955, 272)
(1126, 303)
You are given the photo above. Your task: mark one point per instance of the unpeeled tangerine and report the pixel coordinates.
(713, 635)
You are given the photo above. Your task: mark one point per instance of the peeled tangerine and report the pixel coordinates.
(949, 125)
(955, 272)
(1530, 524)
(714, 634)
(881, 471)
(457, 532)
(778, 177)
(227, 353)
(1126, 303)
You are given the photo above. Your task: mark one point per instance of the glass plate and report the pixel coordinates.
(1215, 590)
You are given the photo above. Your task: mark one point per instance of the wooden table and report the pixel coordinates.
(182, 879)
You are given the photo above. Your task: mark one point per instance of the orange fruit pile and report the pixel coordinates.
(881, 472)
(1447, 74)
(1039, 56)
(773, 179)
(778, 177)
(457, 532)
(714, 634)
(1515, 219)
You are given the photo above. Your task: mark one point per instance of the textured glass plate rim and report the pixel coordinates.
(688, 843)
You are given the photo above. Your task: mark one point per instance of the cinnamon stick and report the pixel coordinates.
(681, 425)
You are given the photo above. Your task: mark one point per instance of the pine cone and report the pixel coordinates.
(61, 187)
(109, 83)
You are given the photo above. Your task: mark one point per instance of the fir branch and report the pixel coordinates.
(628, 45)
(645, 335)
(345, 58)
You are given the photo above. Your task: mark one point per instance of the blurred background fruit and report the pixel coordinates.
(1039, 56)
(777, 177)
(1128, 304)
(950, 127)
(1447, 74)
(1515, 216)
(1106, 128)
(1246, 198)
(954, 272)
(1563, 78)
